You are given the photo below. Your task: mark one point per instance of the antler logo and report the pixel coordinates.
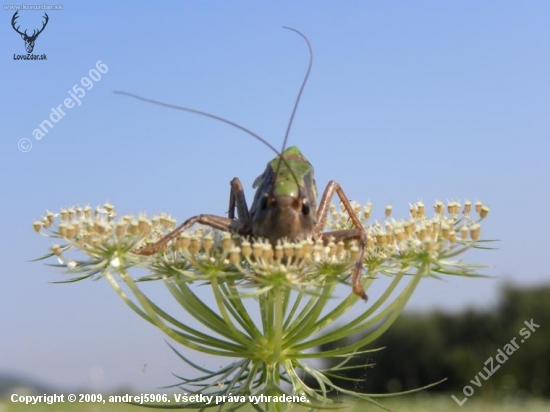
(29, 40)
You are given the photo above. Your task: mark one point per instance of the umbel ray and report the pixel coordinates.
(285, 202)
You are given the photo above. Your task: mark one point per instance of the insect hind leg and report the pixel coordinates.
(358, 233)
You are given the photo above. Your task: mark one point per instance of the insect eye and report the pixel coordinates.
(305, 207)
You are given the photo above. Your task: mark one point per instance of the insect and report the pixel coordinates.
(285, 202)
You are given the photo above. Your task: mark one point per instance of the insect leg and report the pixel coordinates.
(216, 222)
(228, 224)
(358, 233)
(237, 201)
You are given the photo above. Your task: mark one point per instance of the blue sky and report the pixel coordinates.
(406, 101)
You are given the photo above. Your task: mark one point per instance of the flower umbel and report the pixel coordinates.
(273, 306)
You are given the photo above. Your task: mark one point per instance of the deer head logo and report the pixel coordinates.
(29, 40)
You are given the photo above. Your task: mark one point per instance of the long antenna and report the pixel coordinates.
(212, 116)
(295, 108)
(301, 87)
(238, 126)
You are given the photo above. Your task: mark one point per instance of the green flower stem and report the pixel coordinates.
(228, 324)
(278, 297)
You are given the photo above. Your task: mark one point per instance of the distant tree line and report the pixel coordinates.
(424, 348)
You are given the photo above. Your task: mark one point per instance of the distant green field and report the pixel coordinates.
(417, 403)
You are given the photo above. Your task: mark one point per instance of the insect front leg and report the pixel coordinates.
(237, 200)
(358, 233)
(240, 226)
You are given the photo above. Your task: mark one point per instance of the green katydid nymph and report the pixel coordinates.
(285, 203)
